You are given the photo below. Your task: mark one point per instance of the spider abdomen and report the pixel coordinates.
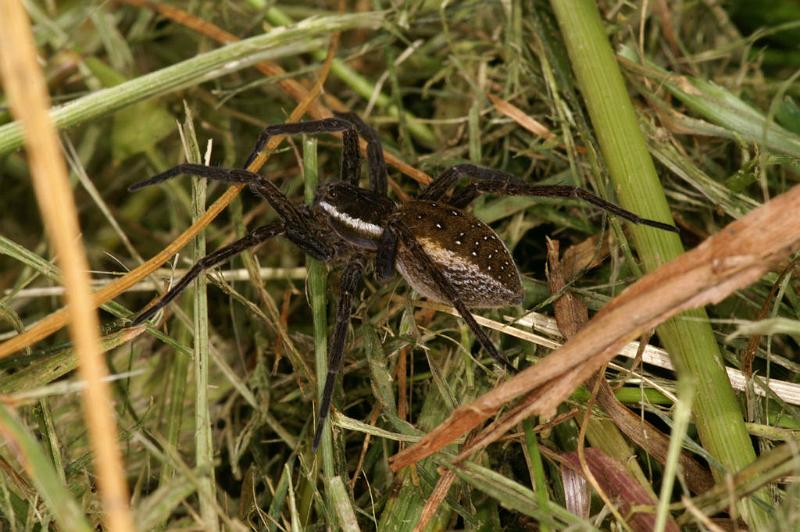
(467, 251)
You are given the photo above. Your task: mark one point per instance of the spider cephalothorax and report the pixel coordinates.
(355, 214)
(442, 251)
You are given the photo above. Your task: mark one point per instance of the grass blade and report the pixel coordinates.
(210, 65)
(59, 500)
(689, 337)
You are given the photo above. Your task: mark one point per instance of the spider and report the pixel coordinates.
(443, 252)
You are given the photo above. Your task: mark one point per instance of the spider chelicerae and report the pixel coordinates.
(443, 252)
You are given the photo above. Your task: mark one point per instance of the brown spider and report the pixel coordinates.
(443, 252)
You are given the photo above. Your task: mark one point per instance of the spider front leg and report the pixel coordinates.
(297, 226)
(253, 238)
(377, 164)
(350, 125)
(406, 237)
(256, 182)
(350, 282)
(494, 181)
(350, 155)
(386, 255)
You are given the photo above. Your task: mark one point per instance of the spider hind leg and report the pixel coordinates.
(483, 180)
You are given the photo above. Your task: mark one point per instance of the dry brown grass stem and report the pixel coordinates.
(30, 103)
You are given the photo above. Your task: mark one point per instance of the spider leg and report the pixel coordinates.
(351, 279)
(351, 158)
(437, 188)
(460, 199)
(407, 238)
(253, 238)
(377, 164)
(495, 181)
(298, 226)
(256, 182)
(386, 255)
(227, 175)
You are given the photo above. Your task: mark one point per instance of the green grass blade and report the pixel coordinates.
(340, 499)
(157, 507)
(280, 42)
(62, 506)
(537, 472)
(688, 337)
(318, 297)
(517, 497)
(682, 417)
(279, 499)
(204, 445)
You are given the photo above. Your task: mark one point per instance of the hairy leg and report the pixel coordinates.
(298, 224)
(253, 238)
(377, 165)
(487, 180)
(351, 280)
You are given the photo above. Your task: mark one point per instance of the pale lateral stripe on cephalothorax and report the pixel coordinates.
(353, 223)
